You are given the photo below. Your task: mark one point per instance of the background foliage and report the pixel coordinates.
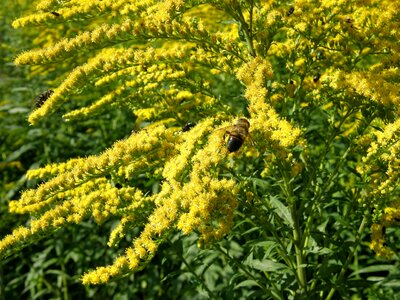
(254, 260)
(46, 269)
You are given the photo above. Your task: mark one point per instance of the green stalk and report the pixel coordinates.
(274, 292)
(348, 259)
(191, 270)
(300, 259)
(297, 233)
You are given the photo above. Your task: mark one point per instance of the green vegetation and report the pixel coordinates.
(106, 192)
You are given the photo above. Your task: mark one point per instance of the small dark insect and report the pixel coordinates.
(320, 54)
(238, 132)
(55, 13)
(42, 98)
(188, 126)
(350, 23)
(290, 11)
(316, 77)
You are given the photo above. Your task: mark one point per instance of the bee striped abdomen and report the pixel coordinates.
(237, 133)
(234, 143)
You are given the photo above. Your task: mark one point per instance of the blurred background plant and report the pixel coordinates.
(301, 228)
(45, 270)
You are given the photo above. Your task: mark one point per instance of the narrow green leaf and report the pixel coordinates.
(248, 282)
(266, 265)
(282, 211)
(375, 268)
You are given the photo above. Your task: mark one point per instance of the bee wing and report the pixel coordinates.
(227, 129)
(251, 139)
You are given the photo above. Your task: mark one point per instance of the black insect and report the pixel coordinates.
(42, 98)
(55, 13)
(316, 77)
(290, 11)
(188, 126)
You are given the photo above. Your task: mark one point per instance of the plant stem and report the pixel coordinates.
(297, 234)
(64, 282)
(247, 29)
(348, 260)
(189, 267)
(300, 266)
(273, 292)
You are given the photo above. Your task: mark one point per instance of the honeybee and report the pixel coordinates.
(42, 98)
(238, 132)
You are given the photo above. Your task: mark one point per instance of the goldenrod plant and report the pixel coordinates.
(301, 192)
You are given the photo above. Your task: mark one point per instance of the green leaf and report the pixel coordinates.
(248, 282)
(282, 211)
(20, 151)
(266, 265)
(375, 268)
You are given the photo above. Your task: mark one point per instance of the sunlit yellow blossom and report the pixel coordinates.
(319, 85)
(265, 120)
(383, 150)
(378, 242)
(368, 84)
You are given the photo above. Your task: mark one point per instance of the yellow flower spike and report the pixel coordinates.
(102, 274)
(46, 4)
(378, 242)
(119, 231)
(50, 219)
(96, 193)
(383, 151)
(140, 251)
(53, 169)
(67, 47)
(174, 168)
(265, 120)
(91, 110)
(35, 19)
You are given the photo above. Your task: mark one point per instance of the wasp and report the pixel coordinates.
(238, 132)
(42, 98)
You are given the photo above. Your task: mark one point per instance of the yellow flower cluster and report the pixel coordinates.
(265, 120)
(135, 212)
(371, 84)
(53, 12)
(378, 242)
(80, 188)
(381, 163)
(144, 71)
(166, 62)
(380, 170)
(390, 218)
(46, 4)
(97, 198)
(204, 204)
(77, 171)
